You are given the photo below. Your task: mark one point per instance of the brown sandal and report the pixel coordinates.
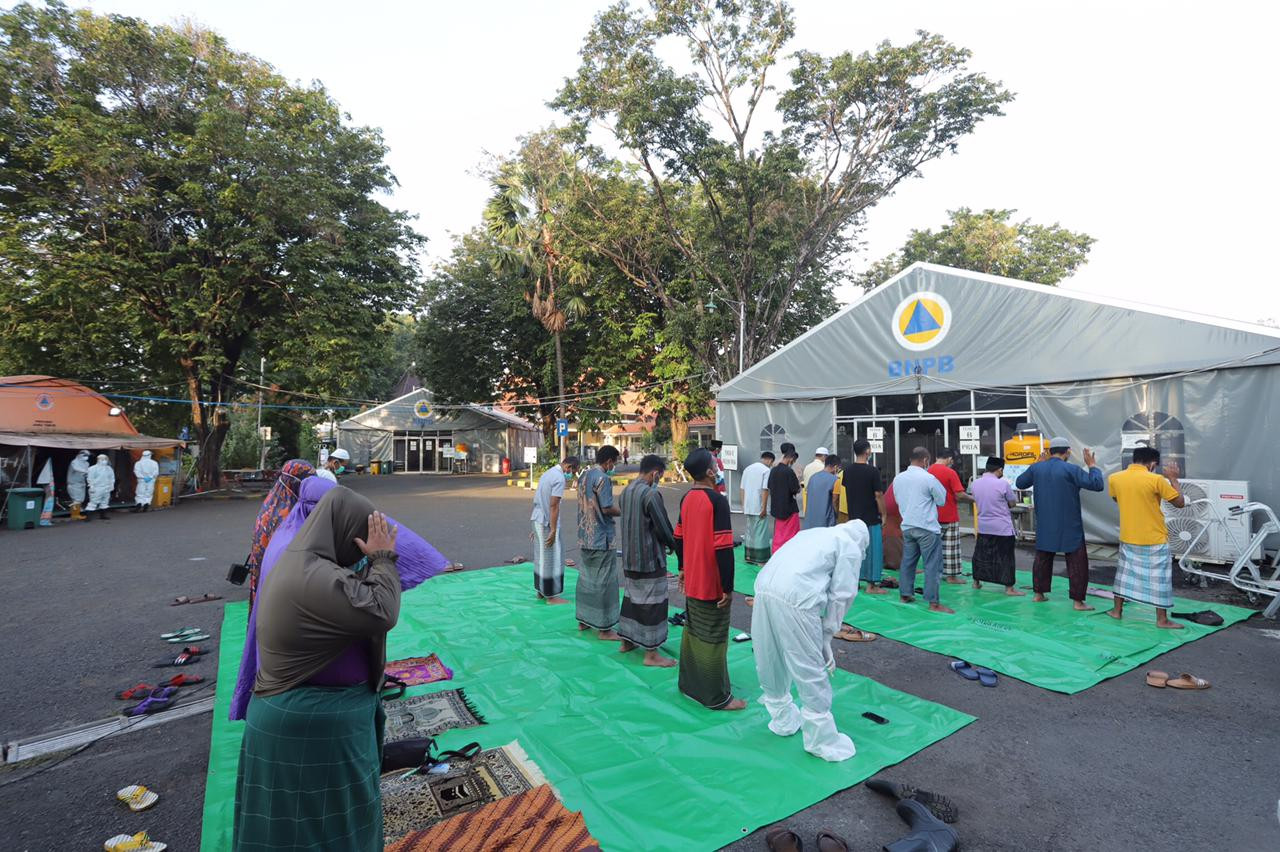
(828, 842)
(1160, 679)
(1186, 681)
(783, 840)
(853, 634)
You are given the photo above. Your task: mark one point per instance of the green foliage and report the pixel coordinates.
(169, 208)
(989, 242)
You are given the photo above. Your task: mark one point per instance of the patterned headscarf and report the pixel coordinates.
(275, 508)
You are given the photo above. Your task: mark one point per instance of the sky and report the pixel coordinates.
(1144, 124)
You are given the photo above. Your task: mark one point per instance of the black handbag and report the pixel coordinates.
(239, 572)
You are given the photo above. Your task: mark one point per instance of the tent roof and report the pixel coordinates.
(42, 411)
(401, 413)
(985, 331)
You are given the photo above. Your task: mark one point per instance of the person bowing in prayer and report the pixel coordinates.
(704, 551)
(646, 536)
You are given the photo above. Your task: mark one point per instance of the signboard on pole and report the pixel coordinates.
(969, 448)
(877, 444)
(969, 433)
(729, 457)
(530, 455)
(562, 428)
(264, 432)
(875, 433)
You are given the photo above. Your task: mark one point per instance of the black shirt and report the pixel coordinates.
(784, 485)
(861, 482)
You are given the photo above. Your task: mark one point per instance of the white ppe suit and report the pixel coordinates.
(801, 597)
(102, 481)
(76, 475)
(145, 471)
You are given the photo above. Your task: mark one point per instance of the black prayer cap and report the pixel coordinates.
(698, 462)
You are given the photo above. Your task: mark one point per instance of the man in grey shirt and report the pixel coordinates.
(548, 556)
(919, 494)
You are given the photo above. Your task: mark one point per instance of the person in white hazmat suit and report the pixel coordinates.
(145, 471)
(802, 595)
(76, 476)
(102, 481)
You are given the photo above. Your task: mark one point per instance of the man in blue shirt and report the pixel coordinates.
(919, 494)
(1059, 528)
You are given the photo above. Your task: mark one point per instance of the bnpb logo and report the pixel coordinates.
(921, 321)
(422, 409)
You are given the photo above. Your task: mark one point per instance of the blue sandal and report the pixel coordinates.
(963, 669)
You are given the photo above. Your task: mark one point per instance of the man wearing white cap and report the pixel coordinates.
(801, 597)
(337, 461)
(818, 463)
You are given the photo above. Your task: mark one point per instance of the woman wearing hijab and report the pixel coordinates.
(418, 561)
(275, 508)
(311, 755)
(704, 550)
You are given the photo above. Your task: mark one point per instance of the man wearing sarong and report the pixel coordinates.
(704, 551)
(802, 596)
(755, 508)
(783, 488)
(993, 554)
(1059, 527)
(820, 495)
(1145, 572)
(597, 591)
(864, 493)
(311, 754)
(548, 555)
(646, 535)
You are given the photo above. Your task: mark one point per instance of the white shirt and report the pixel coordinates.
(550, 484)
(754, 480)
(817, 570)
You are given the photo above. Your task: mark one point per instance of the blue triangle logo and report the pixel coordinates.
(921, 321)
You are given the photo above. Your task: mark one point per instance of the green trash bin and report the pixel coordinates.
(24, 507)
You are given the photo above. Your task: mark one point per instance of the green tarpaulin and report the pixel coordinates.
(1048, 644)
(648, 768)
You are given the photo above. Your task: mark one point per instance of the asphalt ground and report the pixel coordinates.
(1118, 766)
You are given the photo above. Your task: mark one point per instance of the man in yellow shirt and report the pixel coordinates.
(1145, 573)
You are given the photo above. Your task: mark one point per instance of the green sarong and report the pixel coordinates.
(704, 672)
(758, 542)
(309, 772)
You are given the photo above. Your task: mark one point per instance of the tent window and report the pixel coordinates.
(853, 406)
(1000, 400)
(772, 437)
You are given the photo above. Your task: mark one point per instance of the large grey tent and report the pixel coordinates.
(935, 349)
(422, 437)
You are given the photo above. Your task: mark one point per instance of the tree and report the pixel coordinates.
(758, 219)
(171, 207)
(989, 242)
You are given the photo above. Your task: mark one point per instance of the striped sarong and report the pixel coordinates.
(950, 549)
(548, 563)
(308, 777)
(596, 596)
(704, 668)
(1145, 574)
(758, 539)
(643, 621)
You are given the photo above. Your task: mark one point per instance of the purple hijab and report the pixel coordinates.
(418, 561)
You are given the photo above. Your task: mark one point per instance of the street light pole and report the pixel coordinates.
(742, 334)
(262, 444)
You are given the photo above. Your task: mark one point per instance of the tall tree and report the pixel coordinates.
(171, 204)
(759, 218)
(990, 242)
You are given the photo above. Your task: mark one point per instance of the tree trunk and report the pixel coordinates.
(211, 427)
(560, 385)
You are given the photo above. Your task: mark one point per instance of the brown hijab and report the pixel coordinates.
(313, 606)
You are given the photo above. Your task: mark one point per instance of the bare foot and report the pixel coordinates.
(955, 580)
(1081, 606)
(1169, 625)
(876, 590)
(941, 608)
(977, 584)
(555, 600)
(1039, 598)
(653, 658)
(626, 646)
(735, 704)
(905, 599)
(609, 636)
(582, 626)
(1116, 615)
(1012, 592)
(750, 601)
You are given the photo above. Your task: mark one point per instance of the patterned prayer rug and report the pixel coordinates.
(418, 670)
(428, 715)
(531, 820)
(412, 802)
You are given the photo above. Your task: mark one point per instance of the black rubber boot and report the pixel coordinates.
(928, 833)
(102, 513)
(137, 507)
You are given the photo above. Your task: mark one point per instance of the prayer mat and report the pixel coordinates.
(415, 671)
(416, 801)
(534, 820)
(615, 737)
(428, 715)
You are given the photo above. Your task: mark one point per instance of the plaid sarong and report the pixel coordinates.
(1145, 574)
(596, 595)
(950, 550)
(758, 539)
(548, 563)
(644, 610)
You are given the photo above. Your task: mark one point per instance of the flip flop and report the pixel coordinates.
(135, 691)
(194, 650)
(742, 637)
(454, 566)
(853, 634)
(783, 840)
(571, 563)
(183, 679)
(985, 675)
(188, 637)
(183, 659)
(829, 842)
(1158, 679)
(137, 797)
(186, 599)
(963, 669)
(1186, 681)
(175, 635)
(140, 842)
(160, 699)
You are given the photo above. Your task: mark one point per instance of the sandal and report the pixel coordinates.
(183, 679)
(135, 691)
(1159, 679)
(186, 599)
(985, 676)
(140, 842)
(194, 650)
(963, 669)
(1186, 681)
(137, 797)
(184, 631)
(853, 634)
(829, 842)
(783, 840)
(188, 637)
(160, 699)
(183, 659)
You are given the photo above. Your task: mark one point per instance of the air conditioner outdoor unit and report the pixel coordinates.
(1205, 528)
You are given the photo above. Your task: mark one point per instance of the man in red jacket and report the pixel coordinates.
(943, 470)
